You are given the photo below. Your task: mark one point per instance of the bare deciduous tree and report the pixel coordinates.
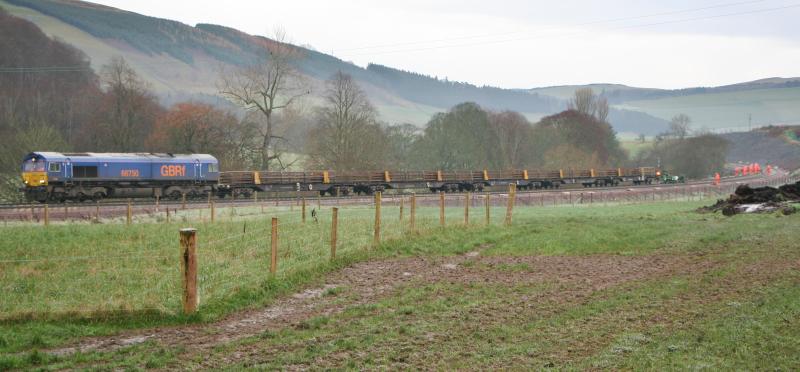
(129, 111)
(601, 109)
(265, 88)
(587, 102)
(347, 136)
(513, 134)
(584, 101)
(679, 125)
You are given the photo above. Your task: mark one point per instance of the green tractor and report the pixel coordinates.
(667, 178)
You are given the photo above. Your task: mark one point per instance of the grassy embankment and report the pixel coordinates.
(731, 302)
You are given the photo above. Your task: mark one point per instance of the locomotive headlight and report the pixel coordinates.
(41, 181)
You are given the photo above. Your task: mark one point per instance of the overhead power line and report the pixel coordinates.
(25, 70)
(763, 10)
(588, 23)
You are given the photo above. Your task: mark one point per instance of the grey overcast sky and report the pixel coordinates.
(522, 44)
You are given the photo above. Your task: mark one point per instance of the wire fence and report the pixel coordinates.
(120, 268)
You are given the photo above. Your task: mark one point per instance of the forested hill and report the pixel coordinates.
(182, 62)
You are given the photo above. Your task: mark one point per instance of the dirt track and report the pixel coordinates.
(572, 277)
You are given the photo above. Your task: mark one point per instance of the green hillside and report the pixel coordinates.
(769, 101)
(182, 62)
(729, 110)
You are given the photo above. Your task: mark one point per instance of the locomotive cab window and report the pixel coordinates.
(33, 166)
(213, 167)
(55, 167)
(84, 172)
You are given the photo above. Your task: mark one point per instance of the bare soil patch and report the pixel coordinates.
(369, 282)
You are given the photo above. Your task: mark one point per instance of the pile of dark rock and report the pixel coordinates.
(747, 199)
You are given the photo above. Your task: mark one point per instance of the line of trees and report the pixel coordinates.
(115, 111)
(348, 136)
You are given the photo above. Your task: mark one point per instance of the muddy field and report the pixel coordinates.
(567, 281)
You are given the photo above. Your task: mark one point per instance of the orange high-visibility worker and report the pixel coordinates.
(769, 170)
(716, 178)
(758, 168)
(737, 171)
(744, 170)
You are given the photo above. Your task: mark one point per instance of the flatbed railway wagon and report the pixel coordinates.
(244, 183)
(55, 176)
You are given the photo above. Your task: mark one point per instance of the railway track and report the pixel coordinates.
(571, 193)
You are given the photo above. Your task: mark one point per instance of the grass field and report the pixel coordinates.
(651, 286)
(634, 146)
(727, 110)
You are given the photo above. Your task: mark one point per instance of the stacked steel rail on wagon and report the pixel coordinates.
(57, 177)
(244, 183)
(53, 176)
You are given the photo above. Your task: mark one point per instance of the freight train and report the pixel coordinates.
(52, 176)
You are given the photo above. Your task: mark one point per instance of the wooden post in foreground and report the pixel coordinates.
(512, 194)
(413, 211)
(304, 210)
(273, 262)
(189, 269)
(130, 213)
(167, 214)
(334, 231)
(158, 202)
(213, 211)
(402, 199)
(377, 237)
(486, 200)
(441, 208)
(97, 212)
(46, 215)
(467, 200)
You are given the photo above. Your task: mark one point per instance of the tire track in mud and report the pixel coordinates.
(369, 282)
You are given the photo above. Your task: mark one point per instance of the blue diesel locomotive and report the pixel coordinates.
(53, 176)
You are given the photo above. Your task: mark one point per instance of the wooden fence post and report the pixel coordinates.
(441, 209)
(273, 262)
(334, 230)
(488, 206)
(97, 212)
(167, 214)
(303, 208)
(130, 213)
(413, 211)
(377, 237)
(512, 193)
(46, 215)
(467, 200)
(402, 199)
(158, 202)
(213, 211)
(189, 269)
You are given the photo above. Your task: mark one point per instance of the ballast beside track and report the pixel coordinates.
(575, 195)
